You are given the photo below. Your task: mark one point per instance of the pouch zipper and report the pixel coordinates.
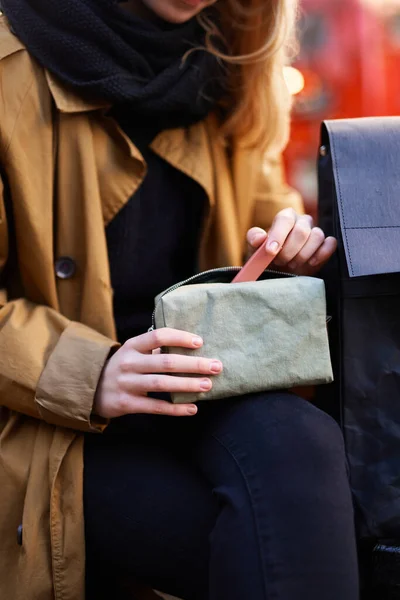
(200, 276)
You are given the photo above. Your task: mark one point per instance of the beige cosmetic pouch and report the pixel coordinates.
(269, 334)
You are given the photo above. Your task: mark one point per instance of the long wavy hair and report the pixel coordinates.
(258, 36)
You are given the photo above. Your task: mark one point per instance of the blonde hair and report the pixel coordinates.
(258, 35)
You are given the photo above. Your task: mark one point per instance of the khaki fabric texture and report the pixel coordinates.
(268, 334)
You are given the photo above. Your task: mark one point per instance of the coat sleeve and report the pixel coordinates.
(273, 193)
(49, 366)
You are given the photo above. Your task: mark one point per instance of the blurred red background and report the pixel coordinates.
(348, 66)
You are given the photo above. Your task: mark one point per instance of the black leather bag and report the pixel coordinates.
(359, 203)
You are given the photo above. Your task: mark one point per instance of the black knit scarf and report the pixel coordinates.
(105, 52)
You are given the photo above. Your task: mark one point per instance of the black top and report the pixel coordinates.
(153, 241)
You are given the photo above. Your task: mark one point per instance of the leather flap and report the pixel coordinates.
(365, 156)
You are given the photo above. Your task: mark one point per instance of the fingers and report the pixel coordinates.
(313, 244)
(314, 254)
(256, 236)
(144, 384)
(295, 241)
(281, 227)
(140, 369)
(171, 363)
(150, 406)
(148, 342)
(134, 371)
(324, 253)
(288, 234)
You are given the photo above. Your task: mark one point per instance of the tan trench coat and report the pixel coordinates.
(68, 169)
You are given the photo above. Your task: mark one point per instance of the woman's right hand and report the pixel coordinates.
(138, 368)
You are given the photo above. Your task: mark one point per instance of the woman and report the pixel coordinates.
(138, 144)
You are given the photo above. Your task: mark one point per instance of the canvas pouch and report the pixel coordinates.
(269, 334)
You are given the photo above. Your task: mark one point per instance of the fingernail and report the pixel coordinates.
(273, 247)
(205, 385)
(197, 341)
(313, 262)
(192, 410)
(216, 366)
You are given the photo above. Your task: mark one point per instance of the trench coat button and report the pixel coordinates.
(19, 535)
(65, 267)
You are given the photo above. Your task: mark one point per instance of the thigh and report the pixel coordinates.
(280, 461)
(284, 448)
(274, 428)
(148, 511)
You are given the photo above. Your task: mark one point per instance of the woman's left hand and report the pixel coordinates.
(297, 245)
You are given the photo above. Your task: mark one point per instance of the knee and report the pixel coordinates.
(314, 435)
(308, 434)
(288, 429)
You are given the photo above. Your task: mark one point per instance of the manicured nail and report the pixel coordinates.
(197, 341)
(216, 366)
(192, 410)
(205, 385)
(313, 262)
(273, 247)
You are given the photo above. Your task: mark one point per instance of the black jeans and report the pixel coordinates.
(249, 500)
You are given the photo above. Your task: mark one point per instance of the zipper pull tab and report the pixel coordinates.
(150, 329)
